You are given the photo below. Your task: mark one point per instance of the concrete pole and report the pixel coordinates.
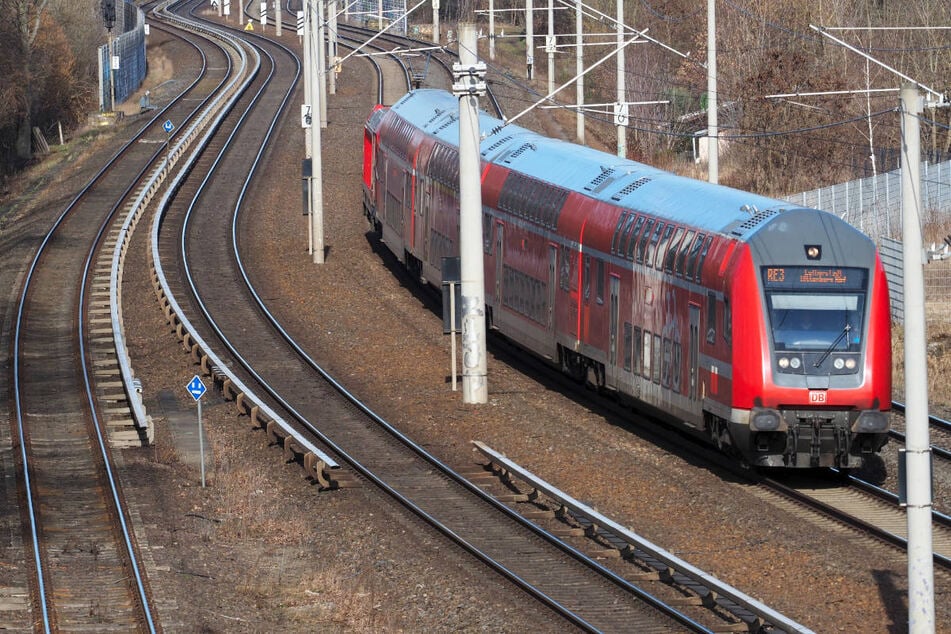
(308, 45)
(491, 29)
(112, 74)
(921, 616)
(713, 149)
(529, 40)
(469, 77)
(436, 21)
(221, 8)
(550, 46)
(277, 18)
(579, 71)
(332, 47)
(321, 76)
(621, 86)
(317, 183)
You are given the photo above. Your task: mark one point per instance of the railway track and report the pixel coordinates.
(72, 399)
(223, 309)
(410, 477)
(70, 405)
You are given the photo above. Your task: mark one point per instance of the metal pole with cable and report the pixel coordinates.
(916, 456)
(713, 147)
(469, 85)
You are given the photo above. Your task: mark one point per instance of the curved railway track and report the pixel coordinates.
(220, 301)
(220, 304)
(86, 571)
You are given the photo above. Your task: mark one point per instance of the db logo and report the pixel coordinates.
(816, 396)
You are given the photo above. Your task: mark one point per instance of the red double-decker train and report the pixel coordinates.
(757, 324)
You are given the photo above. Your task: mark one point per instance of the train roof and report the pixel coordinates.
(597, 174)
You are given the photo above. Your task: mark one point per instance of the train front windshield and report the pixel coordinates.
(815, 309)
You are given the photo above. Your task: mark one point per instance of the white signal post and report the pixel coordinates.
(621, 110)
(491, 29)
(197, 389)
(529, 40)
(436, 21)
(469, 85)
(550, 45)
(579, 72)
(713, 144)
(917, 484)
(312, 142)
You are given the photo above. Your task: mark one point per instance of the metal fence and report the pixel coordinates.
(129, 47)
(379, 14)
(873, 205)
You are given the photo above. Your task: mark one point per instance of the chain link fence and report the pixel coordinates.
(379, 14)
(129, 48)
(873, 205)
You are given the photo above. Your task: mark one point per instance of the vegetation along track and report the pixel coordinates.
(86, 572)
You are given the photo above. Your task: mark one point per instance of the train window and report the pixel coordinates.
(703, 256)
(564, 271)
(681, 261)
(647, 355)
(628, 345)
(828, 318)
(657, 350)
(652, 245)
(671, 252)
(586, 277)
(636, 354)
(662, 247)
(676, 367)
(642, 245)
(727, 321)
(625, 235)
(665, 371)
(635, 232)
(615, 243)
(692, 258)
(599, 282)
(711, 317)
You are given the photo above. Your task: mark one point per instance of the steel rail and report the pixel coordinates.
(566, 613)
(17, 389)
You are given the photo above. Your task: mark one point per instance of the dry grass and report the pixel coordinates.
(938, 356)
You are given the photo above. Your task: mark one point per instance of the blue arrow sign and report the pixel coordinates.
(196, 388)
(168, 126)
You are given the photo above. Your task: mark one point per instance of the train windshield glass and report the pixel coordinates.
(816, 309)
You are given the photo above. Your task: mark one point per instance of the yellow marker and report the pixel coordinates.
(250, 26)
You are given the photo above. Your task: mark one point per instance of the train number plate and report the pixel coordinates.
(817, 396)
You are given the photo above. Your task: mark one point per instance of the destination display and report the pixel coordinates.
(803, 277)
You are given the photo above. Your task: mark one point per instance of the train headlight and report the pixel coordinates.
(839, 363)
(766, 420)
(795, 363)
(783, 362)
(850, 364)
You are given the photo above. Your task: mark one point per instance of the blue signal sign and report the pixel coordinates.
(168, 126)
(196, 388)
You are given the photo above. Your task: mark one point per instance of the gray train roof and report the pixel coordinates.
(597, 174)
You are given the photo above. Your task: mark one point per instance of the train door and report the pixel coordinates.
(423, 202)
(499, 259)
(693, 360)
(552, 284)
(612, 370)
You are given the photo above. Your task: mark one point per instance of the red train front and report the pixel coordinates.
(758, 325)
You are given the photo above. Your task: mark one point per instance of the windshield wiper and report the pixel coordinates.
(825, 355)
